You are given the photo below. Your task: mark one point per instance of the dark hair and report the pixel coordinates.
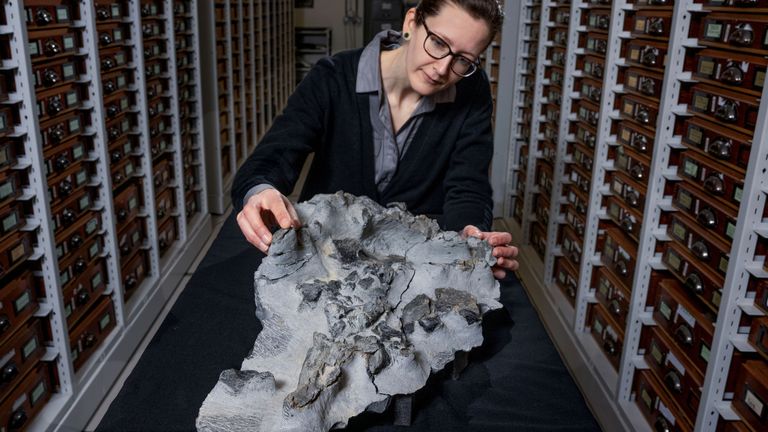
(486, 10)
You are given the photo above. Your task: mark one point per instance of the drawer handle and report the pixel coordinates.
(637, 171)
(52, 48)
(65, 187)
(80, 266)
(720, 148)
(603, 22)
(18, 419)
(109, 87)
(10, 371)
(672, 380)
(68, 216)
(658, 2)
(595, 94)
(728, 111)
(615, 308)
(102, 14)
(656, 26)
(707, 217)
(82, 298)
(714, 184)
(56, 134)
(55, 106)
(633, 199)
(684, 336)
(113, 133)
(62, 162)
(743, 34)
(112, 111)
(130, 283)
(732, 74)
(43, 17)
(622, 268)
(145, 10)
(627, 224)
(50, 77)
(116, 156)
(5, 324)
(108, 63)
(609, 347)
(75, 241)
(647, 86)
(90, 340)
(105, 39)
(640, 142)
(122, 214)
(661, 424)
(643, 115)
(693, 282)
(117, 178)
(699, 248)
(649, 56)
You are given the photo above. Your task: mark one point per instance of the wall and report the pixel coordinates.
(330, 13)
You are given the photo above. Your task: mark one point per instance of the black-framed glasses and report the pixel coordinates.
(438, 49)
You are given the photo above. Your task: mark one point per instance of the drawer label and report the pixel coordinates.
(753, 402)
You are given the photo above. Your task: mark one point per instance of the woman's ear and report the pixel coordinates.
(409, 23)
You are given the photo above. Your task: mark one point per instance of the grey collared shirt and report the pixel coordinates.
(390, 145)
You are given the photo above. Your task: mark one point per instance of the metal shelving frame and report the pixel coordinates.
(80, 393)
(601, 384)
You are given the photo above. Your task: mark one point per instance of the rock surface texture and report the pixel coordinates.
(358, 305)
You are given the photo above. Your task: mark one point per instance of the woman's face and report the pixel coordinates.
(463, 34)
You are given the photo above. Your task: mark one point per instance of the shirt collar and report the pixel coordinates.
(369, 71)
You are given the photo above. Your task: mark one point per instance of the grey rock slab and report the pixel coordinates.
(361, 303)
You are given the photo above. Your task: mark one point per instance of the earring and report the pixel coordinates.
(407, 36)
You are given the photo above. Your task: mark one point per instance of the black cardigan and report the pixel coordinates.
(443, 174)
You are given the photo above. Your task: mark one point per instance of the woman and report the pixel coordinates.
(407, 119)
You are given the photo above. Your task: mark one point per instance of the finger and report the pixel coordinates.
(295, 222)
(472, 231)
(498, 238)
(505, 251)
(507, 263)
(253, 217)
(249, 234)
(279, 211)
(499, 273)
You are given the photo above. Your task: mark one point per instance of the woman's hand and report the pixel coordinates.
(266, 209)
(505, 253)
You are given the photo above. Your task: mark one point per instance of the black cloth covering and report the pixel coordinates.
(516, 381)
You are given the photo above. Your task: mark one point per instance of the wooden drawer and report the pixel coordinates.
(681, 380)
(724, 106)
(47, 14)
(613, 295)
(167, 234)
(751, 395)
(608, 335)
(52, 44)
(127, 205)
(134, 272)
(642, 82)
(28, 398)
(84, 292)
(723, 144)
(18, 301)
(86, 337)
(14, 251)
(715, 217)
(717, 180)
(646, 53)
(566, 278)
(656, 406)
(20, 354)
(64, 128)
(130, 239)
(86, 227)
(689, 325)
(731, 69)
(619, 254)
(710, 251)
(58, 101)
(741, 32)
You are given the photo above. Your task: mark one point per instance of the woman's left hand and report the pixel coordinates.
(504, 252)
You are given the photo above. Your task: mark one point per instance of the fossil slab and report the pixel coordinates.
(358, 305)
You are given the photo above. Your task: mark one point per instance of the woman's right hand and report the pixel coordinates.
(266, 209)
